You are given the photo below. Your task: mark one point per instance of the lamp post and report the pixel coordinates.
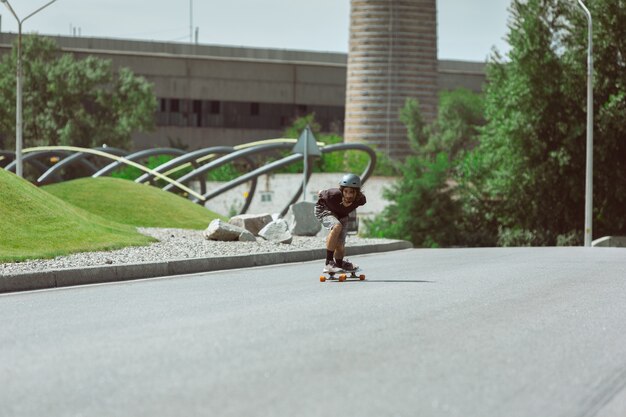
(18, 104)
(589, 170)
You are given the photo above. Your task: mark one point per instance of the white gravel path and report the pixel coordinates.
(173, 244)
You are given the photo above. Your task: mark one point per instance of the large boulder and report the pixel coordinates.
(277, 231)
(301, 219)
(251, 222)
(219, 230)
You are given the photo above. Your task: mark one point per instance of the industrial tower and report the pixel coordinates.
(392, 57)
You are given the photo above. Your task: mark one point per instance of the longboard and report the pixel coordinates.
(341, 275)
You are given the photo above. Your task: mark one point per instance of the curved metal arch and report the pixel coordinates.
(6, 157)
(292, 159)
(183, 159)
(193, 157)
(253, 175)
(232, 156)
(229, 158)
(247, 145)
(75, 157)
(36, 163)
(232, 153)
(110, 156)
(369, 169)
(137, 156)
(32, 158)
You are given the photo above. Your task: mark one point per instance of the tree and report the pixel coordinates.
(609, 50)
(425, 203)
(411, 116)
(72, 102)
(459, 118)
(422, 208)
(533, 146)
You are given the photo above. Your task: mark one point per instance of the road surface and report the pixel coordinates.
(452, 332)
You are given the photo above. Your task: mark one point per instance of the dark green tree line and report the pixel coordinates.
(533, 146)
(516, 157)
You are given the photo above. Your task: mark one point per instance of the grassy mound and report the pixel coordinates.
(35, 224)
(127, 202)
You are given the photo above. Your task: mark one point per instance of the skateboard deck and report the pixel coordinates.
(342, 275)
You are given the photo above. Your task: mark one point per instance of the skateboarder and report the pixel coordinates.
(332, 209)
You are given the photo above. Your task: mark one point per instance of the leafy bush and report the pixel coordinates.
(422, 208)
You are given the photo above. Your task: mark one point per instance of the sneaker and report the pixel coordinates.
(332, 267)
(349, 266)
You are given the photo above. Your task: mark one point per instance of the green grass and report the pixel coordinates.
(127, 202)
(35, 224)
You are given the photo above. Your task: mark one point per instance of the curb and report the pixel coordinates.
(55, 278)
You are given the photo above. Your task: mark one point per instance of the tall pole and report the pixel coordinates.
(306, 163)
(589, 171)
(18, 100)
(19, 131)
(190, 21)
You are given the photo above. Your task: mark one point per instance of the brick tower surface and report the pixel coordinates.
(392, 57)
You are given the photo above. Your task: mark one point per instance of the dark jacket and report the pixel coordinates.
(330, 201)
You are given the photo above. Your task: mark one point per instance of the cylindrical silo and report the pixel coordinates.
(392, 57)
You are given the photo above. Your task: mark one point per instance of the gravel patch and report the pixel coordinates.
(173, 244)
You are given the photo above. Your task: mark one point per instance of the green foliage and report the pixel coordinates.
(422, 207)
(433, 203)
(517, 156)
(300, 123)
(226, 172)
(411, 116)
(459, 119)
(533, 146)
(72, 102)
(525, 140)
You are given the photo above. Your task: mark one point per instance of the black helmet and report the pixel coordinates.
(351, 181)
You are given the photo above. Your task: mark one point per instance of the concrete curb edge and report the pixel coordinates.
(125, 272)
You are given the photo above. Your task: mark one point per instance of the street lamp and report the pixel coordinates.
(18, 105)
(589, 174)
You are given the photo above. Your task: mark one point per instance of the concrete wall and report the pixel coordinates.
(289, 83)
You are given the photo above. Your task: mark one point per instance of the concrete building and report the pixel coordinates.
(219, 95)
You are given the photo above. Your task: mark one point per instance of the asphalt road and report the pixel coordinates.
(468, 332)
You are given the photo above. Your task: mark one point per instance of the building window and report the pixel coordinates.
(197, 106)
(215, 107)
(254, 109)
(174, 105)
(163, 105)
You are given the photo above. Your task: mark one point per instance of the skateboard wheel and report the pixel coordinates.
(361, 277)
(342, 277)
(322, 278)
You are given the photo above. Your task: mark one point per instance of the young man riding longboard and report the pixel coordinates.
(332, 209)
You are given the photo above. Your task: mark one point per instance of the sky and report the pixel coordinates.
(467, 29)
